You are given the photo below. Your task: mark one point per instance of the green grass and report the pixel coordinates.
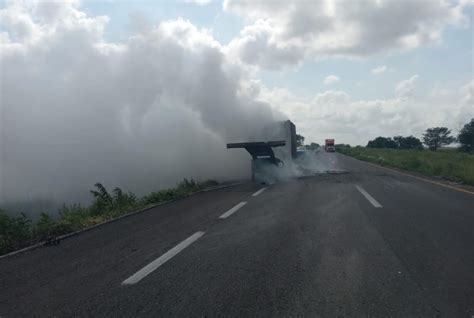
(18, 232)
(448, 164)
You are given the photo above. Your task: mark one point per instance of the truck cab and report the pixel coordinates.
(329, 145)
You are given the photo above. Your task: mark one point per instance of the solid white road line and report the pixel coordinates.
(145, 271)
(259, 191)
(368, 197)
(233, 210)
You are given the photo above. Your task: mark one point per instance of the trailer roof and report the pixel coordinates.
(278, 143)
(259, 149)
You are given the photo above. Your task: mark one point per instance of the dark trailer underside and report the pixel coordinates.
(260, 149)
(261, 152)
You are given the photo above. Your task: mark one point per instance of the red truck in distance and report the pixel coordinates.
(329, 145)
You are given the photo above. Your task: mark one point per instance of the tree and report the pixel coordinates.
(436, 137)
(409, 142)
(382, 142)
(412, 142)
(299, 140)
(466, 137)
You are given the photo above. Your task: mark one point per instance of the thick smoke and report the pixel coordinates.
(141, 114)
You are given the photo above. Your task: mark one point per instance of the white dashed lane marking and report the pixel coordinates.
(233, 210)
(368, 197)
(148, 269)
(259, 191)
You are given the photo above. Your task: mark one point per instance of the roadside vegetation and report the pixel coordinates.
(449, 164)
(20, 231)
(408, 153)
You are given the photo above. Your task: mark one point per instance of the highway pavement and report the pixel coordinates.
(360, 241)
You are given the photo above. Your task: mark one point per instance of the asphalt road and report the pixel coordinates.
(364, 242)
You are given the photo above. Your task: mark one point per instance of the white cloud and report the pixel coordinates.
(336, 114)
(379, 70)
(257, 46)
(331, 97)
(466, 110)
(282, 33)
(468, 93)
(406, 88)
(199, 2)
(331, 79)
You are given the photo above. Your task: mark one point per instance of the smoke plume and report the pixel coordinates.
(141, 114)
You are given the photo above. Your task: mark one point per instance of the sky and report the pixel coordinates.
(143, 93)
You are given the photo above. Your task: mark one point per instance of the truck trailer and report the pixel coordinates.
(276, 147)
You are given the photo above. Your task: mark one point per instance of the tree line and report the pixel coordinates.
(433, 138)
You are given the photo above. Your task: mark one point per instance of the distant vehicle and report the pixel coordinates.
(329, 145)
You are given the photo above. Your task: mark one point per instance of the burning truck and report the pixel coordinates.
(276, 149)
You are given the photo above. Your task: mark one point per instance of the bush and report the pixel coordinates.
(45, 226)
(182, 189)
(15, 232)
(104, 202)
(72, 218)
(160, 196)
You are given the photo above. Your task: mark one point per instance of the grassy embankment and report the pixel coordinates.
(448, 164)
(18, 232)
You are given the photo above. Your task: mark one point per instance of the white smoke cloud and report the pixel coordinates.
(142, 114)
